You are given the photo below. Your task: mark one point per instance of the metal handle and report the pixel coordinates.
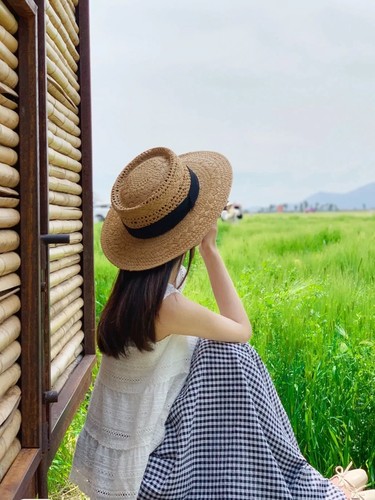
(50, 397)
(50, 239)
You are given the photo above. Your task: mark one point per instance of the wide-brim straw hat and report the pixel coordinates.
(153, 198)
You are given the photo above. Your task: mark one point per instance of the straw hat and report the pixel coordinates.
(163, 205)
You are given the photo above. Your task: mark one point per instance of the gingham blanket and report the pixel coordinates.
(228, 437)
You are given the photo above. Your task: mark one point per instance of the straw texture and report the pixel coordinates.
(71, 11)
(59, 42)
(7, 56)
(62, 120)
(9, 176)
(9, 240)
(7, 19)
(9, 281)
(8, 103)
(63, 146)
(76, 237)
(7, 423)
(9, 262)
(7, 91)
(71, 115)
(8, 156)
(62, 340)
(54, 54)
(8, 40)
(8, 191)
(65, 315)
(64, 226)
(64, 213)
(8, 117)
(8, 202)
(55, 89)
(8, 75)
(9, 355)
(147, 190)
(71, 350)
(64, 186)
(9, 331)
(8, 137)
(61, 160)
(9, 433)
(59, 132)
(68, 21)
(65, 86)
(72, 7)
(9, 402)
(59, 26)
(9, 293)
(9, 306)
(64, 262)
(64, 250)
(63, 274)
(9, 378)
(64, 330)
(9, 217)
(9, 457)
(64, 302)
(63, 173)
(61, 381)
(63, 199)
(59, 291)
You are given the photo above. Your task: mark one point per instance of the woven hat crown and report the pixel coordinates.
(150, 187)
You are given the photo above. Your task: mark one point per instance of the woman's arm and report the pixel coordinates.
(227, 299)
(179, 315)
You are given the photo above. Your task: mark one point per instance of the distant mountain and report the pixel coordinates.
(359, 199)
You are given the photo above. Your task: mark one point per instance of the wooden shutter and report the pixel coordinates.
(46, 234)
(19, 252)
(66, 213)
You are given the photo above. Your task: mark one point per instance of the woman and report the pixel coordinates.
(183, 407)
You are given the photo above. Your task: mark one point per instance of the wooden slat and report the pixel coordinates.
(15, 484)
(10, 348)
(7, 19)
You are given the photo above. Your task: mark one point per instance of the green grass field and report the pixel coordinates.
(308, 285)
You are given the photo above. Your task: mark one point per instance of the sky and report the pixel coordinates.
(285, 90)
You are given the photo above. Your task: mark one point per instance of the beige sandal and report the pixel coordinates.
(352, 480)
(363, 495)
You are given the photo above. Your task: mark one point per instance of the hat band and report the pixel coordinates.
(171, 220)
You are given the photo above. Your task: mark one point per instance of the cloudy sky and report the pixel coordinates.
(286, 90)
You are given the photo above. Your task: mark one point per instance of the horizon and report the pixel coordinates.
(249, 206)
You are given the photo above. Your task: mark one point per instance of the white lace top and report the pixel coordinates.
(126, 417)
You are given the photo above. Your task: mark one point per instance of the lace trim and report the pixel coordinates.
(89, 489)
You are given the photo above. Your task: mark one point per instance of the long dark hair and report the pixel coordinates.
(129, 316)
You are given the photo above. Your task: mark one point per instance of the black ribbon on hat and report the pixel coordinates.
(170, 220)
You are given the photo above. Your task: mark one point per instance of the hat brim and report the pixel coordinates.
(214, 173)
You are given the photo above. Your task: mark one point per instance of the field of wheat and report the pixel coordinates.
(308, 285)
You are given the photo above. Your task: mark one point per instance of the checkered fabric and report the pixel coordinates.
(228, 437)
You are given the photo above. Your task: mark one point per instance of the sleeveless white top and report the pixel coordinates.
(125, 422)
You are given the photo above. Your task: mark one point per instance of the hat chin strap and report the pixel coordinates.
(170, 220)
